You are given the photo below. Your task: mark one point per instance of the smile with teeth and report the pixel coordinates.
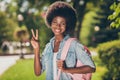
(57, 30)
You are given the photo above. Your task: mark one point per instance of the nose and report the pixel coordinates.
(59, 25)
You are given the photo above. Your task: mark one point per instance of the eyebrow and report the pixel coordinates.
(56, 21)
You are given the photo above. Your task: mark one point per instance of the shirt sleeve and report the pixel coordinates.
(83, 56)
(42, 62)
(43, 58)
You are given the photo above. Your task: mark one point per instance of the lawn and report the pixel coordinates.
(24, 70)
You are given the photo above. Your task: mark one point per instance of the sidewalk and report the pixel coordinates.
(8, 61)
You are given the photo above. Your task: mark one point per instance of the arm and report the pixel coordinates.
(37, 63)
(80, 70)
(36, 47)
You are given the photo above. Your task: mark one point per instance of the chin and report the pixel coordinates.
(57, 34)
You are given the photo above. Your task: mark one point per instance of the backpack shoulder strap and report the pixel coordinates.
(64, 53)
(66, 48)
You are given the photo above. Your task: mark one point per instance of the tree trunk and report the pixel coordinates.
(80, 8)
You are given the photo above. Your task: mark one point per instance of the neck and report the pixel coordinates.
(59, 38)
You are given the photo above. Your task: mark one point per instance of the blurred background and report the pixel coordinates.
(98, 27)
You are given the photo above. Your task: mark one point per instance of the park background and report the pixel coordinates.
(98, 27)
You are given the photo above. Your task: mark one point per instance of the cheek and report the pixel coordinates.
(64, 29)
(52, 29)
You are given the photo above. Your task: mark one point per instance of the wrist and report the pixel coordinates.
(65, 70)
(36, 51)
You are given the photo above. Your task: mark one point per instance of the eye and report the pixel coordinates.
(54, 23)
(63, 24)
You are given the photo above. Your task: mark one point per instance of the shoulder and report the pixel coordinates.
(46, 49)
(50, 42)
(79, 46)
(76, 43)
(47, 46)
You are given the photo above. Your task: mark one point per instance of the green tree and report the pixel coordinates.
(31, 14)
(87, 30)
(104, 32)
(109, 53)
(7, 27)
(115, 16)
(82, 10)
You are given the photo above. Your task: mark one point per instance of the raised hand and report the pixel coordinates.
(36, 45)
(34, 41)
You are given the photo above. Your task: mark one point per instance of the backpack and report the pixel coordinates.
(86, 76)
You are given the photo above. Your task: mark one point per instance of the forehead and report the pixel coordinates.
(59, 18)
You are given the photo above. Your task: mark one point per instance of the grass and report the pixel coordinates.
(100, 69)
(23, 70)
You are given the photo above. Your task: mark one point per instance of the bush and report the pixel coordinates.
(109, 53)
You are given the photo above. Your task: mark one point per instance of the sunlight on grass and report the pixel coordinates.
(23, 70)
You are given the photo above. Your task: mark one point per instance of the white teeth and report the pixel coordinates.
(57, 30)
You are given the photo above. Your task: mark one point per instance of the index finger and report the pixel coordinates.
(33, 34)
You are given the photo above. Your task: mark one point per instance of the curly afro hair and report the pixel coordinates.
(63, 9)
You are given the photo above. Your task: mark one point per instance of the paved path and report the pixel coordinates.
(7, 61)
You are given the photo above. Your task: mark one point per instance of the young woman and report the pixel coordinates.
(61, 18)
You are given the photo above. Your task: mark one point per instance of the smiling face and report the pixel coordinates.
(58, 25)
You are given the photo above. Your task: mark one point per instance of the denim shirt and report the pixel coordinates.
(76, 51)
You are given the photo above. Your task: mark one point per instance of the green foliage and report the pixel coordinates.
(100, 70)
(104, 32)
(109, 53)
(34, 19)
(32, 16)
(21, 34)
(102, 12)
(7, 27)
(106, 35)
(96, 17)
(87, 30)
(44, 35)
(115, 16)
